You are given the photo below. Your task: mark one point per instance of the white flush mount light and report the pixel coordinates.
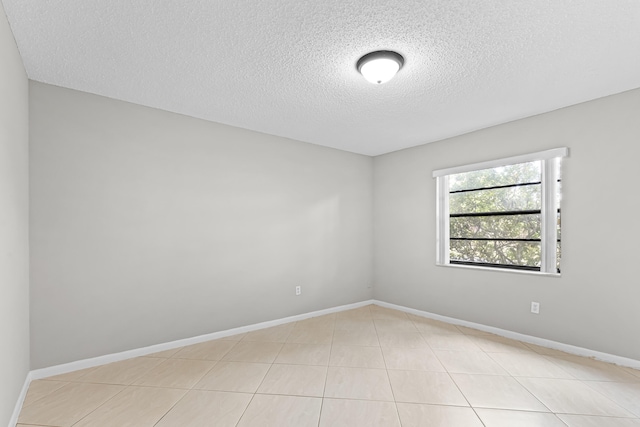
(380, 66)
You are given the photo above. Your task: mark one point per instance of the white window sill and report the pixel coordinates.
(501, 270)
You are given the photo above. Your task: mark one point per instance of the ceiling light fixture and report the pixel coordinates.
(380, 66)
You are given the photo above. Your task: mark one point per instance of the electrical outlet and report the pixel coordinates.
(298, 291)
(535, 307)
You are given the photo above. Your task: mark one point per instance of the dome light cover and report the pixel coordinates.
(380, 66)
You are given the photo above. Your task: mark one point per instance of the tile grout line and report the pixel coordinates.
(245, 409)
(101, 405)
(457, 386)
(326, 377)
(516, 380)
(173, 357)
(173, 406)
(386, 370)
(253, 395)
(488, 354)
(586, 384)
(192, 388)
(270, 364)
(66, 383)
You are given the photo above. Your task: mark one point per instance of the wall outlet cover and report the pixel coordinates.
(535, 307)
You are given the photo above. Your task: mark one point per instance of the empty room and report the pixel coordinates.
(337, 213)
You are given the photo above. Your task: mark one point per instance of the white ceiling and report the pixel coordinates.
(287, 67)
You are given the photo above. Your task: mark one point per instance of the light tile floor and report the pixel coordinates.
(371, 366)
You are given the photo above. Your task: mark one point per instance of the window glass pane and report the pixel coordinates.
(505, 175)
(494, 217)
(498, 252)
(495, 227)
(558, 256)
(496, 200)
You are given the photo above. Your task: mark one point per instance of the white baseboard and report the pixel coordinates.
(116, 357)
(23, 393)
(129, 354)
(567, 348)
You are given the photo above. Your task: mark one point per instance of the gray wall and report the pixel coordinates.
(595, 302)
(14, 222)
(149, 226)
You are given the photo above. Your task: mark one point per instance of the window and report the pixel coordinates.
(501, 214)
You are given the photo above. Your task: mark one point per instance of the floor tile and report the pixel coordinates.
(498, 392)
(236, 337)
(362, 361)
(411, 359)
(632, 371)
(72, 376)
(209, 350)
(591, 421)
(572, 397)
(420, 415)
(268, 410)
(358, 383)
(358, 413)
(134, 407)
(234, 376)
(504, 418)
(123, 373)
(471, 331)
(626, 395)
(326, 322)
(361, 313)
(68, 405)
(311, 336)
(274, 334)
(356, 357)
(294, 380)
(386, 325)
(365, 325)
(207, 408)
(41, 388)
(496, 344)
(176, 373)
(451, 342)
(471, 362)
(378, 312)
(165, 354)
(430, 326)
(401, 339)
(256, 352)
(546, 351)
(367, 337)
(304, 354)
(425, 387)
(529, 365)
(592, 370)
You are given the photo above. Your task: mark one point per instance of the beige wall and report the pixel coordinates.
(14, 222)
(595, 302)
(149, 226)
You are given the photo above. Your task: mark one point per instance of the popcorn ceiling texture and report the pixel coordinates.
(287, 67)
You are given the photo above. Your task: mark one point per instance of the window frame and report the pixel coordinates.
(550, 177)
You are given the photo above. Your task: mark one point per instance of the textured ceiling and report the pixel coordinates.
(287, 67)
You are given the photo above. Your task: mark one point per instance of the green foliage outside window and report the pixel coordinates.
(483, 200)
